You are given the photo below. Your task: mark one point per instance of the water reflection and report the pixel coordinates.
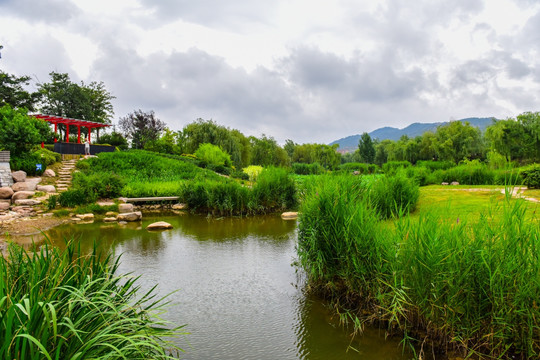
(238, 293)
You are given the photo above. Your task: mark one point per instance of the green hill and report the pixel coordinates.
(350, 143)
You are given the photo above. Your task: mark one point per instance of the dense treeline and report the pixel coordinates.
(505, 140)
(510, 141)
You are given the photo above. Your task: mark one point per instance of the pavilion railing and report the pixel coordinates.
(78, 149)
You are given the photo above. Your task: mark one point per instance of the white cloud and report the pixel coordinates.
(309, 71)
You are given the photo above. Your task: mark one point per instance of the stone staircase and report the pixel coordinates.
(5, 170)
(64, 175)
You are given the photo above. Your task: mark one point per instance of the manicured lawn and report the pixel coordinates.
(468, 203)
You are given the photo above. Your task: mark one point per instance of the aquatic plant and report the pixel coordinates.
(472, 287)
(60, 304)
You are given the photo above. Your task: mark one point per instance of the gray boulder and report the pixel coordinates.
(20, 186)
(160, 225)
(22, 195)
(86, 217)
(4, 206)
(27, 202)
(18, 176)
(46, 188)
(290, 215)
(132, 216)
(49, 173)
(6, 192)
(125, 208)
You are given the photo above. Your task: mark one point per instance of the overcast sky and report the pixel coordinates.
(306, 70)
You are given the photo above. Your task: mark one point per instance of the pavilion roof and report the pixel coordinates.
(68, 121)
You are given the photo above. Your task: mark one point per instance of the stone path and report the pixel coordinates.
(64, 175)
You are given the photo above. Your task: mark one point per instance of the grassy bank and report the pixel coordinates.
(146, 174)
(469, 283)
(59, 304)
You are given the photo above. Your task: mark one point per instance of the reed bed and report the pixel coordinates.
(59, 304)
(447, 285)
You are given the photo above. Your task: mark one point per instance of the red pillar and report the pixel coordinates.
(67, 133)
(55, 128)
(89, 132)
(78, 134)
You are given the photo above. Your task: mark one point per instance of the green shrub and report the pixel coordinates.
(47, 157)
(307, 169)
(74, 197)
(394, 196)
(337, 242)
(471, 173)
(61, 212)
(469, 287)
(391, 168)
(103, 185)
(355, 166)
(52, 202)
(239, 175)
(275, 190)
(420, 175)
(531, 177)
(435, 165)
(95, 209)
(27, 163)
(253, 171)
(62, 304)
(82, 165)
(213, 155)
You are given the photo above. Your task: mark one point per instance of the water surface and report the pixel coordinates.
(238, 293)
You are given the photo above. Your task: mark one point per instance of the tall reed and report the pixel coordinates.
(452, 285)
(60, 304)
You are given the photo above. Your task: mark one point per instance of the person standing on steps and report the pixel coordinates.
(87, 147)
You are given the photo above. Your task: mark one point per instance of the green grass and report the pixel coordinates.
(463, 202)
(461, 273)
(60, 304)
(146, 174)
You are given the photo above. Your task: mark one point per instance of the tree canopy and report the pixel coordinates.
(62, 97)
(141, 127)
(19, 132)
(14, 94)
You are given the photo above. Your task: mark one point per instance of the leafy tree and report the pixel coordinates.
(213, 155)
(507, 138)
(381, 151)
(207, 131)
(166, 144)
(427, 149)
(19, 132)
(267, 152)
(62, 97)
(366, 148)
(289, 147)
(141, 127)
(114, 139)
(531, 125)
(457, 141)
(13, 93)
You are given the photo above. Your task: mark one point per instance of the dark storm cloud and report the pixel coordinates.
(358, 79)
(54, 11)
(184, 86)
(491, 67)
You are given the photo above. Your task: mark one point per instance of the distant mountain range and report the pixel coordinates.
(350, 143)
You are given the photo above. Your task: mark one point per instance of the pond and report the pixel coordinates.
(239, 293)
